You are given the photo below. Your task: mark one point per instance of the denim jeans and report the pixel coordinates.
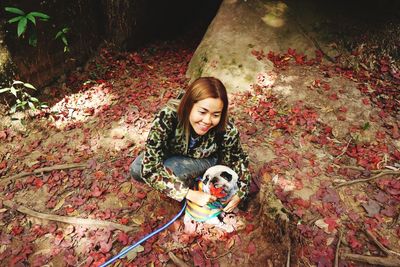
(185, 168)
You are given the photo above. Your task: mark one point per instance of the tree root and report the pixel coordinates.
(380, 174)
(45, 169)
(69, 220)
(392, 258)
(376, 261)
(336, 264)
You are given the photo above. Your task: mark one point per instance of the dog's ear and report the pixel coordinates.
(226, 175)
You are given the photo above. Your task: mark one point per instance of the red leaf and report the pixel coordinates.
(332, 223)
(105, 246)
(251, 248)
(99, 174)
(124, 221)
(249, 228)
(3, 135)
(16, 230)
(197, 255)
(3, 164)
(141, 194)
(123, 238)
(38, 182)
(366, 101)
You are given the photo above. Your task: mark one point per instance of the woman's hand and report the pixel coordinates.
(233, 203)
(200, 198)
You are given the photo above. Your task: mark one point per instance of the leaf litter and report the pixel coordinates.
(338, 119)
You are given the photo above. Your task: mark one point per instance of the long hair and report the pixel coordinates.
(202, 88)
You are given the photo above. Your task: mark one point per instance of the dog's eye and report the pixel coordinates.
(226, 175)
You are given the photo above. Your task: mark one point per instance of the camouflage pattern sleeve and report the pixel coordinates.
(234, 157)
(153, 171)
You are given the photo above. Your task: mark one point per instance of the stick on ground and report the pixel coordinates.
(69, 220)
(45, 169)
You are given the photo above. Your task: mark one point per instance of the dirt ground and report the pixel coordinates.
(324, 139)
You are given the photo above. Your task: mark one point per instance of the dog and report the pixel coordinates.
(221, 182)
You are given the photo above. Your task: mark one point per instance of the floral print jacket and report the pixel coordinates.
(166, 139)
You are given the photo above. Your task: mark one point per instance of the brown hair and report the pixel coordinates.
(202, 88)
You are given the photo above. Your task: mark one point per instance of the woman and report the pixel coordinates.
(184, 142)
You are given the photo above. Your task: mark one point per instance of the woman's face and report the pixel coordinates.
(206, 114)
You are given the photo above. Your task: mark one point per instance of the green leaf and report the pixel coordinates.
(58, 34)
(15, 10)
(33, 99)
(13, 109)
(4, 90)
(43, 105)
(22, 26)
(31, 18)
(30, 86)
(18, 18)
(17, 82)
(366, 126)
(14, 92)
(31, 105)
(64, 40)
(40, 15)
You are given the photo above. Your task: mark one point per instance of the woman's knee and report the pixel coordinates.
(136, 168)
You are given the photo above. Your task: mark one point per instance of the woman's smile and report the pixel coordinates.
(205, 115)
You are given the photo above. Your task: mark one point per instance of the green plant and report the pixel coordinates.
(23, 20)
(62, 34)
(23, 99)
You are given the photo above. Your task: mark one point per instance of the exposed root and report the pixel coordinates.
(336, 264)
(382, 173)
(375, 261)
(45, 169)
(392, 258)
(69, 220)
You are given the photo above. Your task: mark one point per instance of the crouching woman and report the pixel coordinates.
(185, 141)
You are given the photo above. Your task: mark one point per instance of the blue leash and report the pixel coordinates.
(125, 251)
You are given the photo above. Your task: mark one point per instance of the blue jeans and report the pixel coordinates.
(185, 168)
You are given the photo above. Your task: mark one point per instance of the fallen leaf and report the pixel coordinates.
(132, 254)
(372, 207)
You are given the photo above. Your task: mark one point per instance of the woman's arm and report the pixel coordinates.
(153, 171)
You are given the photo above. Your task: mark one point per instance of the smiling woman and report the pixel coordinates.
(184, 142)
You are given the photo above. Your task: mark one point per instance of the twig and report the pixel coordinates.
(396, 220)
(337, 249)
(379, 244)
(219, 256)
(383, 173)
(178, 262)
(288, 254)
(361, 169)
(373, 260)
(392, 258)
(45, 169)
(69, 220)
(345, 149)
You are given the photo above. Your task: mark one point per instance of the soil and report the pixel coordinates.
(310, 127)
